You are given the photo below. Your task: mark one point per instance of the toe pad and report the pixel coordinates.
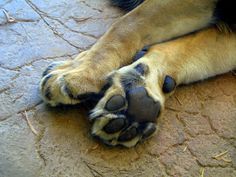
(169, 84)
(115, 103)
(115, 125)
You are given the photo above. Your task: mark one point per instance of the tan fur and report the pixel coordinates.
(153, 21)
(197, 56)
(187, 59)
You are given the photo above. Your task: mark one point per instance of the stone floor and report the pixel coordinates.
(197, 134)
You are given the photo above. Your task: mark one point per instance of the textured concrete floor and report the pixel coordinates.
(198, 124)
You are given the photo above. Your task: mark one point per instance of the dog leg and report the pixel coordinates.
(71, 82)
(129, 110)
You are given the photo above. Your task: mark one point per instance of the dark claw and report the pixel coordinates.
(48, 69)
(46, 79)
(169, 84)
(115, 125)
(128, 135)
(69, 93)
(48, 94)
(149, 130)
(142, 108)
(115, 103)
(51, 67)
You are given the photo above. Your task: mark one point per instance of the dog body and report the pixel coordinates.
(190, 41)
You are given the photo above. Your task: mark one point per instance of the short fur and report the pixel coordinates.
(126, 4)
(225, 10)
(199, 51)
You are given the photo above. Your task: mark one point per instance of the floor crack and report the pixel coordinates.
(38, 59)
(41, 14)
(4, 90)
(88, 5)
(94, 172)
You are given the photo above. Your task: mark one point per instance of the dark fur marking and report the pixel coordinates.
(130, 80)
(226, 11)
(141, 53)
(90, 96)
(69, 93)
(48, 94)
(126, 4)
(107, 85)
(141, 68)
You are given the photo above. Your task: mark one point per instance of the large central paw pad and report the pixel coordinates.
(138, 100)
(128, 112)
(126, 120)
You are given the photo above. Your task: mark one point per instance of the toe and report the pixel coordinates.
(115, 103)
(169, 84)
(45, 80)
(129, 134)
(149, 130)
(51, 67)
(115, 125)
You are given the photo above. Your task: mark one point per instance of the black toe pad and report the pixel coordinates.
(149, 130)
(169, 84)
(115, 103)
(115, 125)
(142, 108)
(128, 135)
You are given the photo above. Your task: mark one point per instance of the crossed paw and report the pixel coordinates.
(129, 108)
(71, 82)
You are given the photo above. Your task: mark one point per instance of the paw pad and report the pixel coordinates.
(138, 101)
(149, 130)
(169, 84)
(128, 134)
(116, 102)
(115, 125)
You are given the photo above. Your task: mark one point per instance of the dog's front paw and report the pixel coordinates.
(71, 82)
(128, 112)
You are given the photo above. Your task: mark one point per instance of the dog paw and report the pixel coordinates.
(76, 81)
(71, 82)
(128, 111)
